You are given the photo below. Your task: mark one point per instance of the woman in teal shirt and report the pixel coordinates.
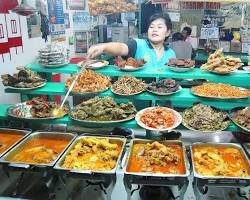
(153, 49)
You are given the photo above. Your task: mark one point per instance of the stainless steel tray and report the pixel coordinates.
(219, 178)
(87, 122)
(38, 134)
(118, 140)
(247, 150)
(231, 116)
(11, 111)
(26, 88)
(24, 132)
(196, 130)
(148, 174)
(220, 98)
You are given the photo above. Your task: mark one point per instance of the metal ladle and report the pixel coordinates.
(59, 111)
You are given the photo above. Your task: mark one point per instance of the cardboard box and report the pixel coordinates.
(236, 47)
(225, 45)
(245, 47)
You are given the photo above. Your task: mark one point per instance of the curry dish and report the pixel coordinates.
(157, 158)
(93, 154)
(7, 139)
(40, 151)
(220, 161)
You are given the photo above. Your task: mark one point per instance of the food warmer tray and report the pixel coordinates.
(89, 173)
(24, 132)
(220, 180)
(155, 179)
(148, 174)
(246, 147)
(21, 165)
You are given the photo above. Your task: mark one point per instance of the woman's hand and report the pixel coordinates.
(95, 51)
(111, 48)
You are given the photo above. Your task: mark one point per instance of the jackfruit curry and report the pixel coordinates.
(220, 161)
(157, 158)
(39, 151)
(93, 154)
(7, 139)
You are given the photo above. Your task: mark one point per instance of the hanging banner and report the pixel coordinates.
(200, 5)
(10, 34)
(56, 18)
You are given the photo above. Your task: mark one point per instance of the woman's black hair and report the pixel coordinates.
(188, 29)
(164, 16)
(177, 36)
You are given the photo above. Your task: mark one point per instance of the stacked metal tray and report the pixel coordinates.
(53, 56)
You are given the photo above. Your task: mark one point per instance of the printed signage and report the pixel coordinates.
(56, 18)
(209, 33)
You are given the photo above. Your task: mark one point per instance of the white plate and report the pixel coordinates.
(17, 88)
(247, 69)
(95, 64)
(128, 68)
(125, 94)
(165, 94)
(222, 73)
(177, 122)
(181, 69)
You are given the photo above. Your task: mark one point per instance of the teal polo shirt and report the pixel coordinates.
(142, 49)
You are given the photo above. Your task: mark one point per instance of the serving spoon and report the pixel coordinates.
(57, 112)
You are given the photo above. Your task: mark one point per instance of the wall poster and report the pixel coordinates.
(56, 18)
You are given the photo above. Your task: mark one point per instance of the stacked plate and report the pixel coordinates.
(53, 56)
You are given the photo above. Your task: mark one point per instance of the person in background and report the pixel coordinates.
(152, 49)
(182, 49)
(186, 32)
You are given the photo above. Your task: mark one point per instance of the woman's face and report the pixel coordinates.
(158, 31)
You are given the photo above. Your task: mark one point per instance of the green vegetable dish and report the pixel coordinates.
(103, 109)
(205, 118)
